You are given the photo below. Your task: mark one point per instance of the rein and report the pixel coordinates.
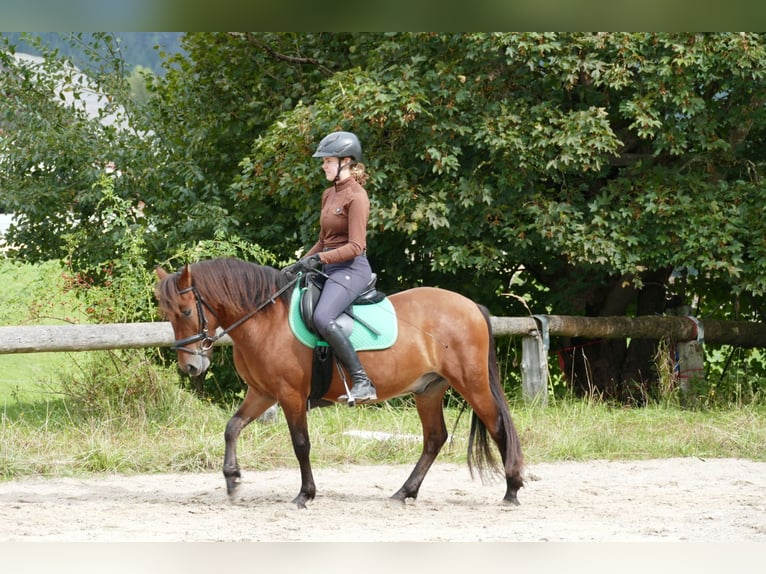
(207, 340)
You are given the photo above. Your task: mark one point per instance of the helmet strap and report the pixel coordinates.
(340, 168)
(350, 164)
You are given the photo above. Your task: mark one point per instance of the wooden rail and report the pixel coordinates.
(46, 338)
(535, 332)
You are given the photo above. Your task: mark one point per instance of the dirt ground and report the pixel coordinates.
(689, 499)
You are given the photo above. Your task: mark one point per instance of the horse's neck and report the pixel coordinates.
(264, 324)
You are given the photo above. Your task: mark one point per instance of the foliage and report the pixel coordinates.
(61, 134)
(489, 153)
(136, 49)
(561, 155)
(734, 377)
(589, 173)
(118, 289)
(125, 383)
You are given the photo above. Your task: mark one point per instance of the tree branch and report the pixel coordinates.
(277, 55)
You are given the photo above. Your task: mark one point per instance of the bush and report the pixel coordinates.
(122, 290)
(115, 384)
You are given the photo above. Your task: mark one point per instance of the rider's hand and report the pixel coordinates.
(303, 265)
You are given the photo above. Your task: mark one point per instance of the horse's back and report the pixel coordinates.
(432, 299)
(439, 312)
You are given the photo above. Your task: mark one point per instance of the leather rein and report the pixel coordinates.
(203, 337)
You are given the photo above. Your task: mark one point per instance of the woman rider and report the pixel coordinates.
(340, 249)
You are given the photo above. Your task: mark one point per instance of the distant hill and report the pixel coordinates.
(138, 48)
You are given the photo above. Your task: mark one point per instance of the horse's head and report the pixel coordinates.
(194, 321)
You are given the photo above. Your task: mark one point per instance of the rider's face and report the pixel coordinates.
(330, 167)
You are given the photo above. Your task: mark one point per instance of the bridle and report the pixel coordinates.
(203, 336)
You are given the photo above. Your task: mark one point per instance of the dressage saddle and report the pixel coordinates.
(312, 284)
(311, 289)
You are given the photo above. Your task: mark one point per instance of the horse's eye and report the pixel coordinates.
(186, 312)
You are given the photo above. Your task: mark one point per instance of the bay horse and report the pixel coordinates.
(443, 339)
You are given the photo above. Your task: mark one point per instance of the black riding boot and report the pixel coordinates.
(362, 389)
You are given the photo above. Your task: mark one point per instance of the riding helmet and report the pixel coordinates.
(340, 144)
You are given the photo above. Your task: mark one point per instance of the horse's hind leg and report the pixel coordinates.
(429, 405)
(495, 420)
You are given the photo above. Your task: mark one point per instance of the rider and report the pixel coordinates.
(341, 250)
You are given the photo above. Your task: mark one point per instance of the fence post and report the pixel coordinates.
(534, 364)
(690, 357)
(691, 364)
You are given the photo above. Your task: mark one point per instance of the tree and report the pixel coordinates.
(63, 131)
(589, 174)
(608, 174)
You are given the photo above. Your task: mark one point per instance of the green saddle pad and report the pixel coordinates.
(381, 316)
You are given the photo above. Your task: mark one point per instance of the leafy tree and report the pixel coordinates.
(598, 174)
(63, 131)
(608, 174)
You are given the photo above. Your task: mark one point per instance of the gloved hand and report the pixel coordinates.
(303, 265)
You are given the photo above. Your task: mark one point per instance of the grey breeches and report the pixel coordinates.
(345, 282)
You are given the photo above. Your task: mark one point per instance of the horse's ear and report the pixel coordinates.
(185, 280)
(161, 273)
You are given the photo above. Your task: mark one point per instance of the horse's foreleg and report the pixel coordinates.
(429, 405)
(297, 422)
(252, 407)
(231, 470)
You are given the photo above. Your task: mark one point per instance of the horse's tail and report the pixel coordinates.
(482, 457)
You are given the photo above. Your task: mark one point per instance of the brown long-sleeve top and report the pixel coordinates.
(343, 222)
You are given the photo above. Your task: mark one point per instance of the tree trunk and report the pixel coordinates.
(620, 369)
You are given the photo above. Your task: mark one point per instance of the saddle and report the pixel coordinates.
(311, 288)
(370, 323)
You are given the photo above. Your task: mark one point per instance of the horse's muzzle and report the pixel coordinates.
(194, 365)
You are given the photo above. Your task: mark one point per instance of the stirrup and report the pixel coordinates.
(369, 395)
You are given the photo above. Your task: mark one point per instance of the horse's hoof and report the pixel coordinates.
(402, 496)
(232, 485)
(300, 501)
(511, 501)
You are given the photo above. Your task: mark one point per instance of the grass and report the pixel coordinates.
(29, 295)
(84, 413)
(583, 430)
(180, 433)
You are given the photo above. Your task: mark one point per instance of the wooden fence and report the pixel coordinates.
(688, 332)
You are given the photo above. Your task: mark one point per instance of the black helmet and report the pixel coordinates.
(340, 144)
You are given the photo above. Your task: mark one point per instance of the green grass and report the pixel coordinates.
(76, 414)
(176, 432)
(583, 430)
(32, 295)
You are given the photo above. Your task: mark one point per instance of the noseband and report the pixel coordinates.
(203, 336)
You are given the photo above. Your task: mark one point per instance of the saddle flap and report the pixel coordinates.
(309, 295)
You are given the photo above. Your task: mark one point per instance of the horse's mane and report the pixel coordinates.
(241, 285)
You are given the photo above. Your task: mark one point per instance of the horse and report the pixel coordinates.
(444, 339)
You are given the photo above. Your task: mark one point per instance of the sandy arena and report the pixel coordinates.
(689, 499)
